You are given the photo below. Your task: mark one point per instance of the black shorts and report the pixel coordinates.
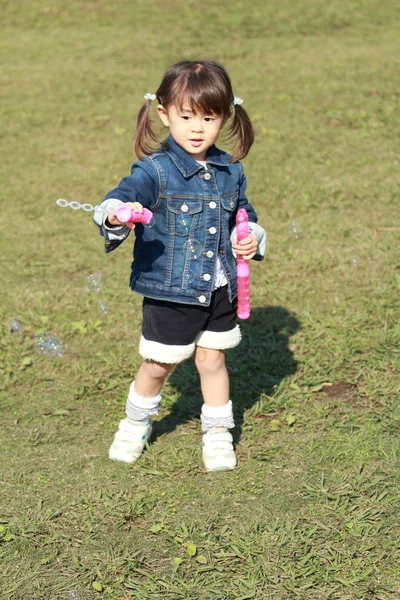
(171, 331)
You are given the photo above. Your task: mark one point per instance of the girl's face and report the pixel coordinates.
(194, 132)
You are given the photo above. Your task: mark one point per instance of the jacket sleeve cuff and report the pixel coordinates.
(261, 236)
(114, 232)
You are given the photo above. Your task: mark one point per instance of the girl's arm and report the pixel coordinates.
(258, 232)
(243, 201)
(142, 187)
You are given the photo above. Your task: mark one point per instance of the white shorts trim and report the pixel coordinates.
(164, 353)
(219, 340)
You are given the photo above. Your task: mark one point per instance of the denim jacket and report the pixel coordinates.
(174, 186)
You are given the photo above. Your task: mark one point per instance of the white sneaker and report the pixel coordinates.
(218, 452)
(130, 440)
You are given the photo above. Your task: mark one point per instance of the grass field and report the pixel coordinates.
(312, 511)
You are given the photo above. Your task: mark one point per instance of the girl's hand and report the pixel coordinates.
(247, 248)
(135, 206)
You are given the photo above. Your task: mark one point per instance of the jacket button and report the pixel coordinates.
(202, 299)
(212, 230)
(207, 176)
(209, 253)
(231, 204)
(212, 204)
(207, 276)
(184, 208)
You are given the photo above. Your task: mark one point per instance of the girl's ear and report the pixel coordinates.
(162, 113)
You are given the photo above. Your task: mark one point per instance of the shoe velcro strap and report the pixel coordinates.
(223, 436)
(221, 446)
(126, 427)
(123, 436)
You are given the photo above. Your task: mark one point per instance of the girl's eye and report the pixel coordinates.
(185, 117)
(209, 119)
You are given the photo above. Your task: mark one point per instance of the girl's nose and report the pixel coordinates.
(197, 125)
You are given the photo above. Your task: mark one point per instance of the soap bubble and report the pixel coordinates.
(294, 230)
(94, 282)
(190, 277)
(15, 326)
(182, 225)
(150, 224)
(40, 338)
(48, 345)
(193, 248)
(103, 307)
(355, 261)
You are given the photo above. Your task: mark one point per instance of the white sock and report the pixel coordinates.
(217, 416)
(139, 408)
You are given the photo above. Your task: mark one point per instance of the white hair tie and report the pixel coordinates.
(150, 96)
(237, 100)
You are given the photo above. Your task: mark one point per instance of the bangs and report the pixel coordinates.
(205, 97)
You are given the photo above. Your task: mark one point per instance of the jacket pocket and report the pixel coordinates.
(183, 215)
(229, 201)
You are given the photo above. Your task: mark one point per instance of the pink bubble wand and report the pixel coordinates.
(123, 213)
(243, 267)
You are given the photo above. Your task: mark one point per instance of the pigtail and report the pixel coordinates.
(144, 132)
(242, 131)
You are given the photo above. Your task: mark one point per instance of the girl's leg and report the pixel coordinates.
(214, 376)
(216, 413)
(144, 393)
(142, 403)
(150, 377)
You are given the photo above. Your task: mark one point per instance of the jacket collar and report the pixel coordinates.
(186, 164)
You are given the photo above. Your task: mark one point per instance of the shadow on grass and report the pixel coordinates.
(256, 367)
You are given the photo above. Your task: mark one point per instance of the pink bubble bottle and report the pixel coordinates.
(243, 267)
(125, 215)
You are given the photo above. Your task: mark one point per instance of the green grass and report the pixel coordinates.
(312, 512)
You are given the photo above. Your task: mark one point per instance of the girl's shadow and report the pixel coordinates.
(257, 366)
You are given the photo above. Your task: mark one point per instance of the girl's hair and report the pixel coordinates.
(206, 87)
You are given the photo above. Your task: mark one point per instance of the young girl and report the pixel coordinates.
(184, 265)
